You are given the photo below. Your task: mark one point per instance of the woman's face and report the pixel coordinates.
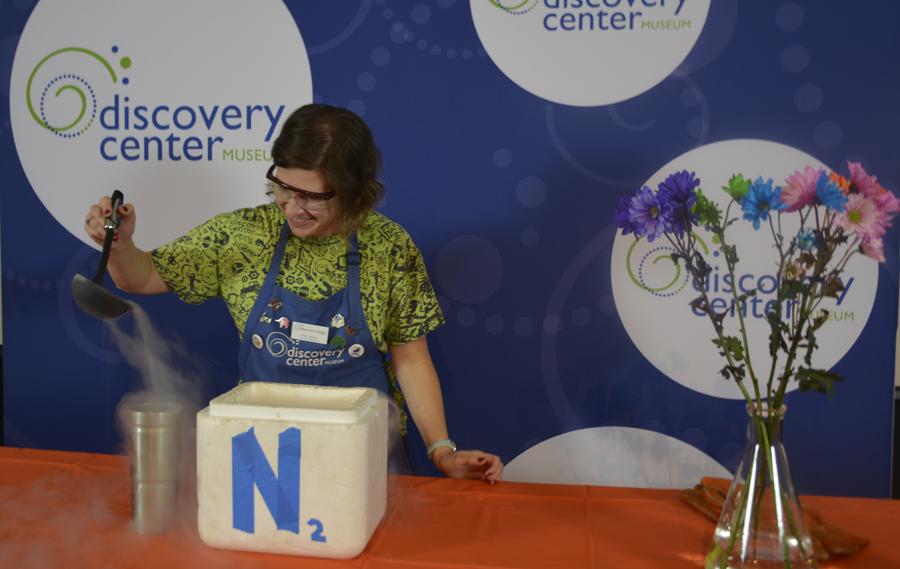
(306, 217)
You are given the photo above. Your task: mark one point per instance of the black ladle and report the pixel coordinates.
(90, 294)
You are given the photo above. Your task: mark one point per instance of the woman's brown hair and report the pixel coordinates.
(338, 144)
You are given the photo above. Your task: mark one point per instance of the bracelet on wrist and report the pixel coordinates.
(438, 444)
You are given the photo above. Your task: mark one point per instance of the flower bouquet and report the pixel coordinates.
(839, 217)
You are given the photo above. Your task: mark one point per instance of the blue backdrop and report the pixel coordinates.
(510, 198)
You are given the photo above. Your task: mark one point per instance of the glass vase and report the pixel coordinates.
(761, 524)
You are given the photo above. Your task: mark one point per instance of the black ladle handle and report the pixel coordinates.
(112, 225)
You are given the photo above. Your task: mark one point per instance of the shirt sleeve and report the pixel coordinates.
(189, 265)
(413, 309)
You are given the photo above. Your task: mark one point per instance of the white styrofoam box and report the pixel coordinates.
(249, 443)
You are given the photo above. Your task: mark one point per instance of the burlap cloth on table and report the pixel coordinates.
(708, 497)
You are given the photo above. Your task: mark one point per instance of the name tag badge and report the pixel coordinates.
(309, 333)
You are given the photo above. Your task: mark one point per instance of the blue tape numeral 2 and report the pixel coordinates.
(318, 534)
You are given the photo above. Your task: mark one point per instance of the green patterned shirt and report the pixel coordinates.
(229, 256)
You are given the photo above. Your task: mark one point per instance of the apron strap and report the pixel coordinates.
(355, 318)
(262, 297)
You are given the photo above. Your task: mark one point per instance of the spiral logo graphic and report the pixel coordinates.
(277, 343)
(655, 271)
(66, 104)
(515, 7)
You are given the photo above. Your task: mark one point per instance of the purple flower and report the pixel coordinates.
(622, 217)
(677, 197)
(646, 214)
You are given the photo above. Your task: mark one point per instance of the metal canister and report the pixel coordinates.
(154, 433)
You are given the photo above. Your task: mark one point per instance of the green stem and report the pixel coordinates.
(775, 322)
(809, 302)
(736, 522)
(839, 267)
(685, 250)
(763, 431)
(792, 354)
(743, 329)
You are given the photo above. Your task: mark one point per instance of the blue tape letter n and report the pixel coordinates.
(249, 467)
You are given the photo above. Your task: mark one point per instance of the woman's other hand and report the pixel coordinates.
(469, 464)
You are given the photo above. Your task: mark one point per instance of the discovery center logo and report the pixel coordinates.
(651, 268)
(653, 293)
(67, 106)
(603, 15)
(588, 52)
(184, 118)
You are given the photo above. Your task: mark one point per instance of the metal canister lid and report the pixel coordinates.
(155, 413)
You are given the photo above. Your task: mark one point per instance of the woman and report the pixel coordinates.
(321, 287)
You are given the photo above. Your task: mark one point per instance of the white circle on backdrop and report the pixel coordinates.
(614, 456)
(219, 94)
(578, 54)
(661, 323)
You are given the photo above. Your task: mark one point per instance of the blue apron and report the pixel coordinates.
(290, 339)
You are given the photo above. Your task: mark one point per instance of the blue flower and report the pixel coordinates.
(806, 240)
(621, 217)
(761, 198)
(646, 214)
(830, 194)
(677, 197)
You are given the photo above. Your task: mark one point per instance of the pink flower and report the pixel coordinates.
(868, 186)
(862, 181)
(888, 203)
(861, 217)
(873, 248)
(800, 188)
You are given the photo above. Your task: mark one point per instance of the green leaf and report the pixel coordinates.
(810, 335)
(708, 212)
(700, 304)
(741, 299)
(733, 372)
(731, 256)
(810, 346)
(791, 289)
(819, 380)
(806, 258)
(730, 345)
(833, 286)
(737, 187)
(778, 330)
(697, 266)
(817, 322)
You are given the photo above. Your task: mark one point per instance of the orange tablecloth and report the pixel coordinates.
(71, 510)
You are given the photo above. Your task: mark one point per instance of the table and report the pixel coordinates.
(71, 510)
